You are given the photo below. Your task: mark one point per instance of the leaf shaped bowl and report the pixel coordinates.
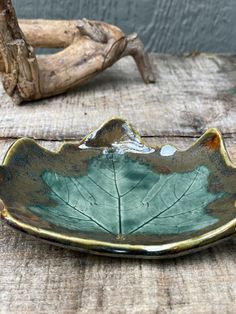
(111, 194)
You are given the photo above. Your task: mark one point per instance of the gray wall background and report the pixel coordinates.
(168, 26)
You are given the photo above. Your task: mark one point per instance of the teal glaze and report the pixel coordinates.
(122, 196)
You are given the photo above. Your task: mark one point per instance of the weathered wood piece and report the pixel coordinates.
(90, 48)
(21, 73)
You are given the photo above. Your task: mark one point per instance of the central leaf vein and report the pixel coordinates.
(118, 194)
(121, 196)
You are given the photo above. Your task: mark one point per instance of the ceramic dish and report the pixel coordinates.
(112, 194)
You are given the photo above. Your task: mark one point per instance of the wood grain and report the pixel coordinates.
(191, 95)
(172, 26)
(38, 278)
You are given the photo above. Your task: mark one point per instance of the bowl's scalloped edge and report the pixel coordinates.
(118, 249)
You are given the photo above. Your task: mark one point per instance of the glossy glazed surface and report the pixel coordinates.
(112, 194)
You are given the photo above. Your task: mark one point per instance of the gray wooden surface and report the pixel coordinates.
(172, 26)
(191, 95)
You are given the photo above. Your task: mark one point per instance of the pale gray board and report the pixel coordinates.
(172, 26)
(191, 94)
(40, 278)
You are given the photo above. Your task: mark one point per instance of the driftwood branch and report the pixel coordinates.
(21, 79)
(89, 48)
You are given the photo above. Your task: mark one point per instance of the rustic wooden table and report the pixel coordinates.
(191, 94)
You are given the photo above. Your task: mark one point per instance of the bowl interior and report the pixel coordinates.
(112, 187)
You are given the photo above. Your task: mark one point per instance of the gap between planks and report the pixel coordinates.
(191, 95)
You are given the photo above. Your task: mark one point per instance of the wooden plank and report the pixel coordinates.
(191, 95)
(165, 26)
(39, 278)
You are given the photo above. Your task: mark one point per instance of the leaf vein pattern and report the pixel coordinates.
(122, 196)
